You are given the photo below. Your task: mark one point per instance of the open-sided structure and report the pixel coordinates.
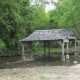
(63, 36)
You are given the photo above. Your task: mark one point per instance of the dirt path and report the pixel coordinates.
(42, 73)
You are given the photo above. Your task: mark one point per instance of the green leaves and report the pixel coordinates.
(19, 19)
(2, 44)
(66, 15)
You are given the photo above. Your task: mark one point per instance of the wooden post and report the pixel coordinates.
(31, 56)
(75, 49)
(78, 46)
(49, 49)
(23, 55)
(44, 49)
(67, 51)
(63, 56)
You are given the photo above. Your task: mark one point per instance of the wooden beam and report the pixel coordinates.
(75, 49)
(78, 47)
(67, 51)
(31, 56)
(23, 55)
(66, 40)
(44, 49)
(59, 43)
(71, 37)
(49, 49)
(63, 56)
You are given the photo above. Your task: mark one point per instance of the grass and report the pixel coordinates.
(44, 78)
(52, 50)
(13, 73)
(35, 50)
(59, 77)
(56, 51)
(23, 76)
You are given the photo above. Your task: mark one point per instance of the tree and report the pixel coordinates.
(19, 19)
(36, 19)
(66, 14)
(11, 22)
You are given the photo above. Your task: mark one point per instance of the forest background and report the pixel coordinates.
(18, 19)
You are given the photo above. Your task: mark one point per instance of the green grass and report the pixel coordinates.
(13, 73)
(59, 77)
(52, 50)
(44, 78)
(35, 50)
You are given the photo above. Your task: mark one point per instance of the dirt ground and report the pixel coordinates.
(42, 73)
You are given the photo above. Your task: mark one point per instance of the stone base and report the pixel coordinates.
(23, 58)
(67, 56)
(63, 57)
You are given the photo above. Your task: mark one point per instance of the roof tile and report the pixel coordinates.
(53, 34)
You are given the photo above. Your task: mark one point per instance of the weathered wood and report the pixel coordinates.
(65, 40)
(51, 35)
(63, 56)
(31, 56)
(23, 55)
(75, 49)
(59, 43)
(67, 51)
(78, 48)
(44, 49)
(49, 49)
(71, 37)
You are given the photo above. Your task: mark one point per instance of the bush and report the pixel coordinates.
(2, 44)
(2, 47)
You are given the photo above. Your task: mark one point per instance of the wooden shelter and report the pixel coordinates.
(62, 36)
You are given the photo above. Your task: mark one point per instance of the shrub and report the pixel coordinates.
(2, 46)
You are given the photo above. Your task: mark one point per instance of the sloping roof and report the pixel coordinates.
(53, 34)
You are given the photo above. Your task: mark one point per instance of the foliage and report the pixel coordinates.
(66, 15)
(36, 19)
(10, 21)
(2, 47)
(2, 44)
(19, 19)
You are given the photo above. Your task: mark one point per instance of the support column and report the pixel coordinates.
(23, 55)
(49, 49)
(67, 51)
(44, 49)
(75, 49)
(78, 46)
(63, 56)
(31, 56)
(78, 49)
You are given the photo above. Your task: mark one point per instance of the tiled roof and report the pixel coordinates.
(53, 34)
